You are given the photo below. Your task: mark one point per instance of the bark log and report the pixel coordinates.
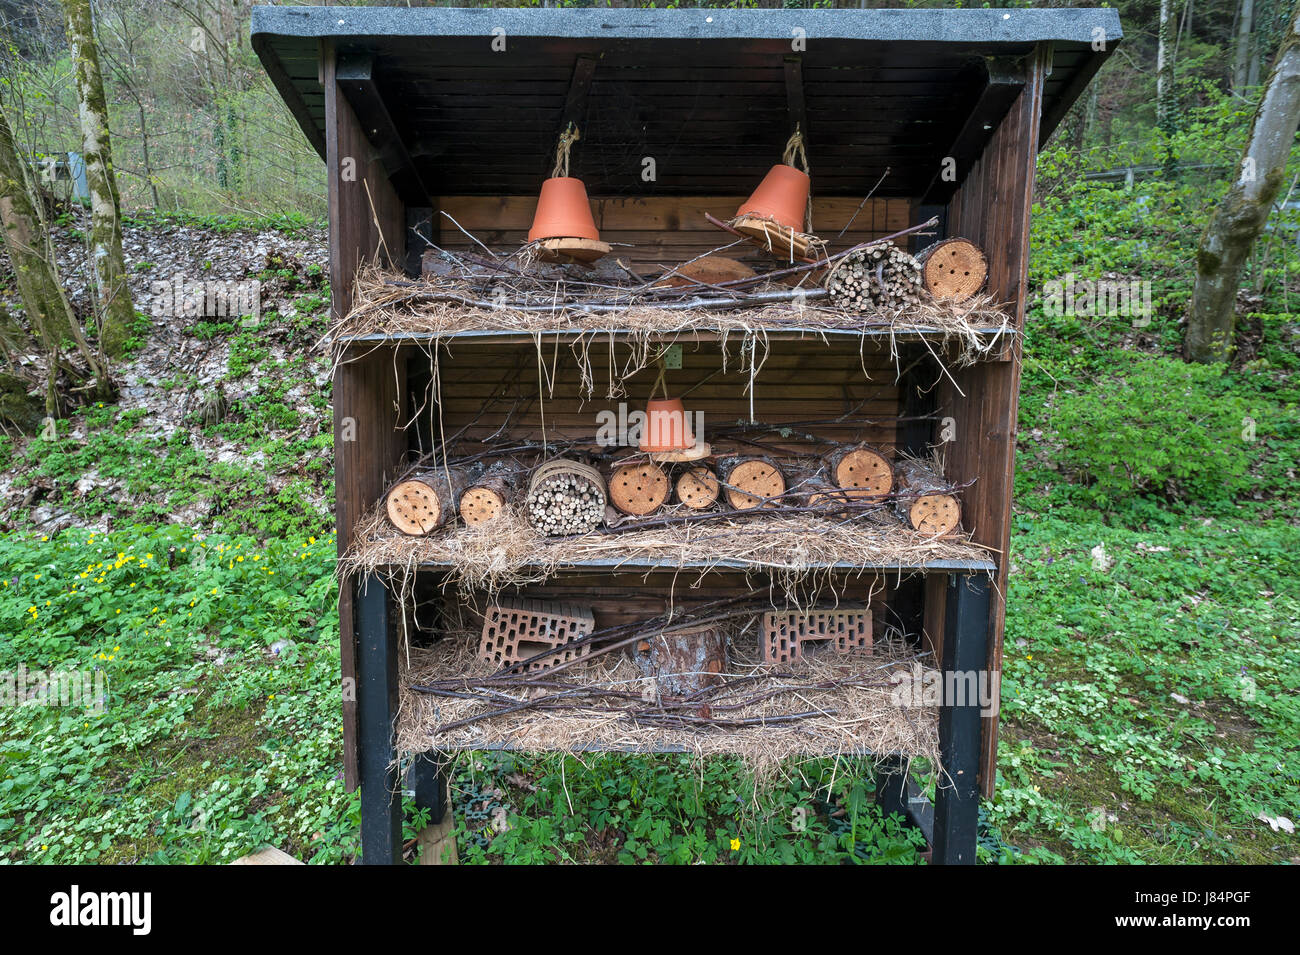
(116, 313)
(751, 481)
(1240, 216)
(425, 502)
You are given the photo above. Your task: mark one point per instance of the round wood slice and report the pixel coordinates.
(784, 243)
(752, 480)
(935, 514)
(585, 251)
(638, 488)
(481, 504)
(954, 269)
(418, 505)
(864, 469)
(698, 488)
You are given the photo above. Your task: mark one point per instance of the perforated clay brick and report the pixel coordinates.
(514, 630)
(784, 634)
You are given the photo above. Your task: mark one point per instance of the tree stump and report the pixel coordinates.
(862, 469)
(424, 502)
(683, 662)
(565, 497)
(926, 502)
(953, 270)
(752, 482)
(638, 488)
(698, 488)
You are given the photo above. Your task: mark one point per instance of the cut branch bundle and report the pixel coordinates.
(565, 497)
(880, 274)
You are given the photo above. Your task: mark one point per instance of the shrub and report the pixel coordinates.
(1158, 427)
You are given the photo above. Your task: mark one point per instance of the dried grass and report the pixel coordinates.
(389, 308)
(846, 705)
(508, 552)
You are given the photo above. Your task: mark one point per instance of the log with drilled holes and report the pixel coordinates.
(485, 497)
(752, 482)
(881, 275)
(425, 501)
(861, 469)
(638, 487)
(565, 497)
(953, 270)
(925, 501)
(698, 488)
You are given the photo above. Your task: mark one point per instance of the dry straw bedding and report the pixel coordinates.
(842, 704)
(508, 551)
(387, 307)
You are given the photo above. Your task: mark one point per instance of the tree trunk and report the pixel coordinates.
(1165, 98)
(1241, 58)
(27, 242)
(1241, 215)
(116, 312)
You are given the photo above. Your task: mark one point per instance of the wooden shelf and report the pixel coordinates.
(513, 337)
(944, 566)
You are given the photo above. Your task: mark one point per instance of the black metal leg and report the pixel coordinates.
(427, 778)
(381, 799)
(965, 646)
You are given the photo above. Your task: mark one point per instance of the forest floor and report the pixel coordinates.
(179, 542)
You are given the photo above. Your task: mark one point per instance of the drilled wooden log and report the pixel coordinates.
(925, 501)
(752, 482)
(707, 270)
(485, 498)
(953, 270)
(861, 468)
(683, 662)
(638, 487)
(698, 488)
(565, 497)
(426, 501)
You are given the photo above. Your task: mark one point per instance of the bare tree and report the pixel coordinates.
(1240, 216)
(112, 292)
(26, 239)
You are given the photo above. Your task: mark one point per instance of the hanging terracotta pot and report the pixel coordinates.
(563, 212)
(667, 428)
(782, 195)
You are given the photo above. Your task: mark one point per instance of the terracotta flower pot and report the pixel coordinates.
(667, 428)
(563, 212)
(782, 195)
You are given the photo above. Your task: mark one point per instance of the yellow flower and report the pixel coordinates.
(1029, 656)
(46, 537)
(735, 845)
(239, 560)
(38, 576)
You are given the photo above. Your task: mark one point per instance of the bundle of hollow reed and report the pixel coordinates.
(795, 543)
(878, 275)
(823, 704)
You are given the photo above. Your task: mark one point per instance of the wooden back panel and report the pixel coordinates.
(666, 230)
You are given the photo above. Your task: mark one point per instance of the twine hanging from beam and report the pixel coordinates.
(567, 138)
(795, 152)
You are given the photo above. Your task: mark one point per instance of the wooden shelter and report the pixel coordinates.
(437, 127)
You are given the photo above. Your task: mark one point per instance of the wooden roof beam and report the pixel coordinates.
(355, 75)
(1003, 81)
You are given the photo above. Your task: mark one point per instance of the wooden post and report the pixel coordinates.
(965, 645)
(381, 797)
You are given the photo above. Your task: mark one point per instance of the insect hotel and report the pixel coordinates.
(676, 359)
